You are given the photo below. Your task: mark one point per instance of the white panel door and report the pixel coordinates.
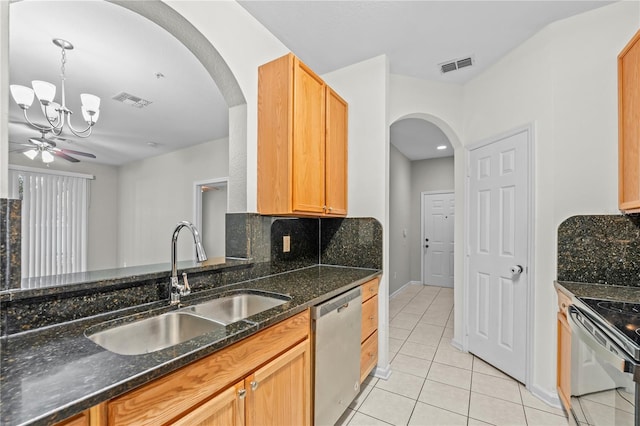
(498, 242)
(437, 239)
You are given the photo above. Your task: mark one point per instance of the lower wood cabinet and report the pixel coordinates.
(225, 409)
(276, 394)
(563, 378)
(262, 380)
(369, 336)
(81, 419)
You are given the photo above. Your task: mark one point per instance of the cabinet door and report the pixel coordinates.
(225, 409)
(336, 155)
(629, 126)
(564, 361)
(308, 141)
(280, 392)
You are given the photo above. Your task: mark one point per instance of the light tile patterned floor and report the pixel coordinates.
(433, 383)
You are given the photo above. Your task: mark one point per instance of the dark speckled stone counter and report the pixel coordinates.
(599, 291)
(55, 372)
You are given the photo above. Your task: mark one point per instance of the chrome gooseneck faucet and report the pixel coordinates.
(177, 289)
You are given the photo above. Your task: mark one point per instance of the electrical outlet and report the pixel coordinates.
(286, 244)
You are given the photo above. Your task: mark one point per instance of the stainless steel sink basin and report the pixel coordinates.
(153, 334)
(229, 309)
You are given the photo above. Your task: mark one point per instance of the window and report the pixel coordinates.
(54, 220)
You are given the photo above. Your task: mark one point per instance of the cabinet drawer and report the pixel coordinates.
(563, 302)
(369, 317)
(370, 289)
(368, 356)
(81, 419)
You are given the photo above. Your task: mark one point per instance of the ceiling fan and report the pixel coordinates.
(47, 149)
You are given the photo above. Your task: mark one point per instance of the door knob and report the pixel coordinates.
(426, 245)
(426, 239)
(516, 270)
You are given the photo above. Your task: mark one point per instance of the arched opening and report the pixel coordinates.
(170, 21)
(421, 224)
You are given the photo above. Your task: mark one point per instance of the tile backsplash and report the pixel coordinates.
(600, 249)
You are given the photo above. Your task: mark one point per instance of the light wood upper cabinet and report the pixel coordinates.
(629, 126)
(302, 142)
(336, 154)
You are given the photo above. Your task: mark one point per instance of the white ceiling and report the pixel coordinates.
(419, 139)
(416, 36)
(118, 50)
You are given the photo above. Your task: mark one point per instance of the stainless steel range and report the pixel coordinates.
(605, 362)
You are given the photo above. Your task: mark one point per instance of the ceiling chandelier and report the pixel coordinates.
(56, 114)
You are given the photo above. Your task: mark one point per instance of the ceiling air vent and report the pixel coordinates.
(455, 64)
(129, 99)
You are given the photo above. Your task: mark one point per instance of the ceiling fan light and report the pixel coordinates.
(31, 154)
(90, 102)
(23, 95)
(45, 91)
(47, 157)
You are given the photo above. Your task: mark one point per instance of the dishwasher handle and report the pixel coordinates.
(338, 303)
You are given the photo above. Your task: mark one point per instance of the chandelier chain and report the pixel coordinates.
(64, 61)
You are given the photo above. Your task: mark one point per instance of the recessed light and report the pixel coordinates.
(441, 147)
(152, 144)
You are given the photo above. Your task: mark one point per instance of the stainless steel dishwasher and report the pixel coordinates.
(337, 327)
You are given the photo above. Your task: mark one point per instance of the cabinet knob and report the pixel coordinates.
(372, 317)
(254, 385)
(370, 355)
(242, 393)
(330, 208)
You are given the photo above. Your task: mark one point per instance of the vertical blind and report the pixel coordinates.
(54, 221)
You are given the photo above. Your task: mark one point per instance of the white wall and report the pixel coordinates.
(4, 97)
(564, 79)
(436, 174)
(245, 45)
(103, 207)
(365, 86)
(400, 231)
(156, 193)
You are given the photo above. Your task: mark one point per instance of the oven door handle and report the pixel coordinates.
(618, 361)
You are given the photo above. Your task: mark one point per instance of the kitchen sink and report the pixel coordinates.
(155, 333)
(229, 309)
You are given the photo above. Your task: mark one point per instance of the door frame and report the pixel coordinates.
(530, 311)
(197, 197)
(423, 195)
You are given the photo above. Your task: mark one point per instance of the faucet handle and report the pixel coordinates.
(186, 290)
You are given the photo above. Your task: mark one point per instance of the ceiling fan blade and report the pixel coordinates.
(20, 150)
(65, 156)
(21, 144)
(72, 151)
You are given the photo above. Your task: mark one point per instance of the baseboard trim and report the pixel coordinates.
(548, 397)
(401, 288)
(383, 373)
(458, 345)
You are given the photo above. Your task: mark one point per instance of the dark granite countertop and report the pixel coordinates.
(600, 291)
(50, 285)
(53, 373)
